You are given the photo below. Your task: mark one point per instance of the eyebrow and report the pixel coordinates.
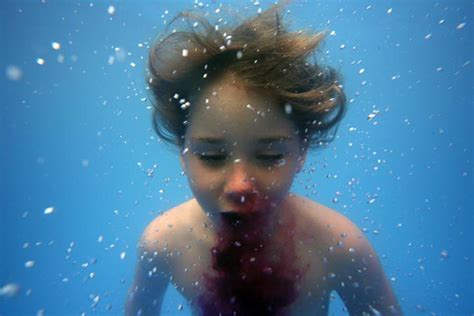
(209, 140)
(263, 140)
(274, 139)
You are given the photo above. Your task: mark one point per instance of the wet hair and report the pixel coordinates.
(261, 52)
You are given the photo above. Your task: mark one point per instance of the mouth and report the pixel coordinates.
(231, 216)
(245, 209)
(251, 206)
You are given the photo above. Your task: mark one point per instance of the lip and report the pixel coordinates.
(251, 206)
(243, 209)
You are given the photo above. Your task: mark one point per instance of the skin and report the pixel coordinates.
(244, 232)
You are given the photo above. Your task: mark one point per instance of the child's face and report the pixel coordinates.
(241, 151)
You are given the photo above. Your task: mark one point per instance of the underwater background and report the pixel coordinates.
(82, 173)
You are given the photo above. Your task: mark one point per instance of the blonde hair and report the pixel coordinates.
(263, 53)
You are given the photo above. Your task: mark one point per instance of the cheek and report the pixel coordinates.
(278, 180)
(203, 182)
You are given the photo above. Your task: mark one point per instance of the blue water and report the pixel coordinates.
(76, 135)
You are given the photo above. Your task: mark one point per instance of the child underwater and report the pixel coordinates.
(244, 106)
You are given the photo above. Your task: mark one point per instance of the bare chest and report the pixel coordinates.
(192, 264)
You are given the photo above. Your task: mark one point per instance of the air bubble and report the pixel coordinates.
(55, 45)
(444, 254)
(29, 264)
(95, 300)
(13, 73)
(267, 270)
(111, 10)
(9, 290)
(49, 210)
(281, 162)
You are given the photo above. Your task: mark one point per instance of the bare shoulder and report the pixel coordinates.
(164, 231)
(154, 266)
(353, 261)
(333, 228)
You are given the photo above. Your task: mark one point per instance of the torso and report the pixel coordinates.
(192, 237)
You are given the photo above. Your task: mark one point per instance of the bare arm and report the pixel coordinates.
(361, 281)
(145, 296)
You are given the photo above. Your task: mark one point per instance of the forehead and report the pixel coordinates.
(228, 109)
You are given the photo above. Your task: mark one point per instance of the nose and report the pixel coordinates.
(240, 187)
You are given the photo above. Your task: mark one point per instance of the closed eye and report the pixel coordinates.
(217, 159)
(270, 158)
(212, 159)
